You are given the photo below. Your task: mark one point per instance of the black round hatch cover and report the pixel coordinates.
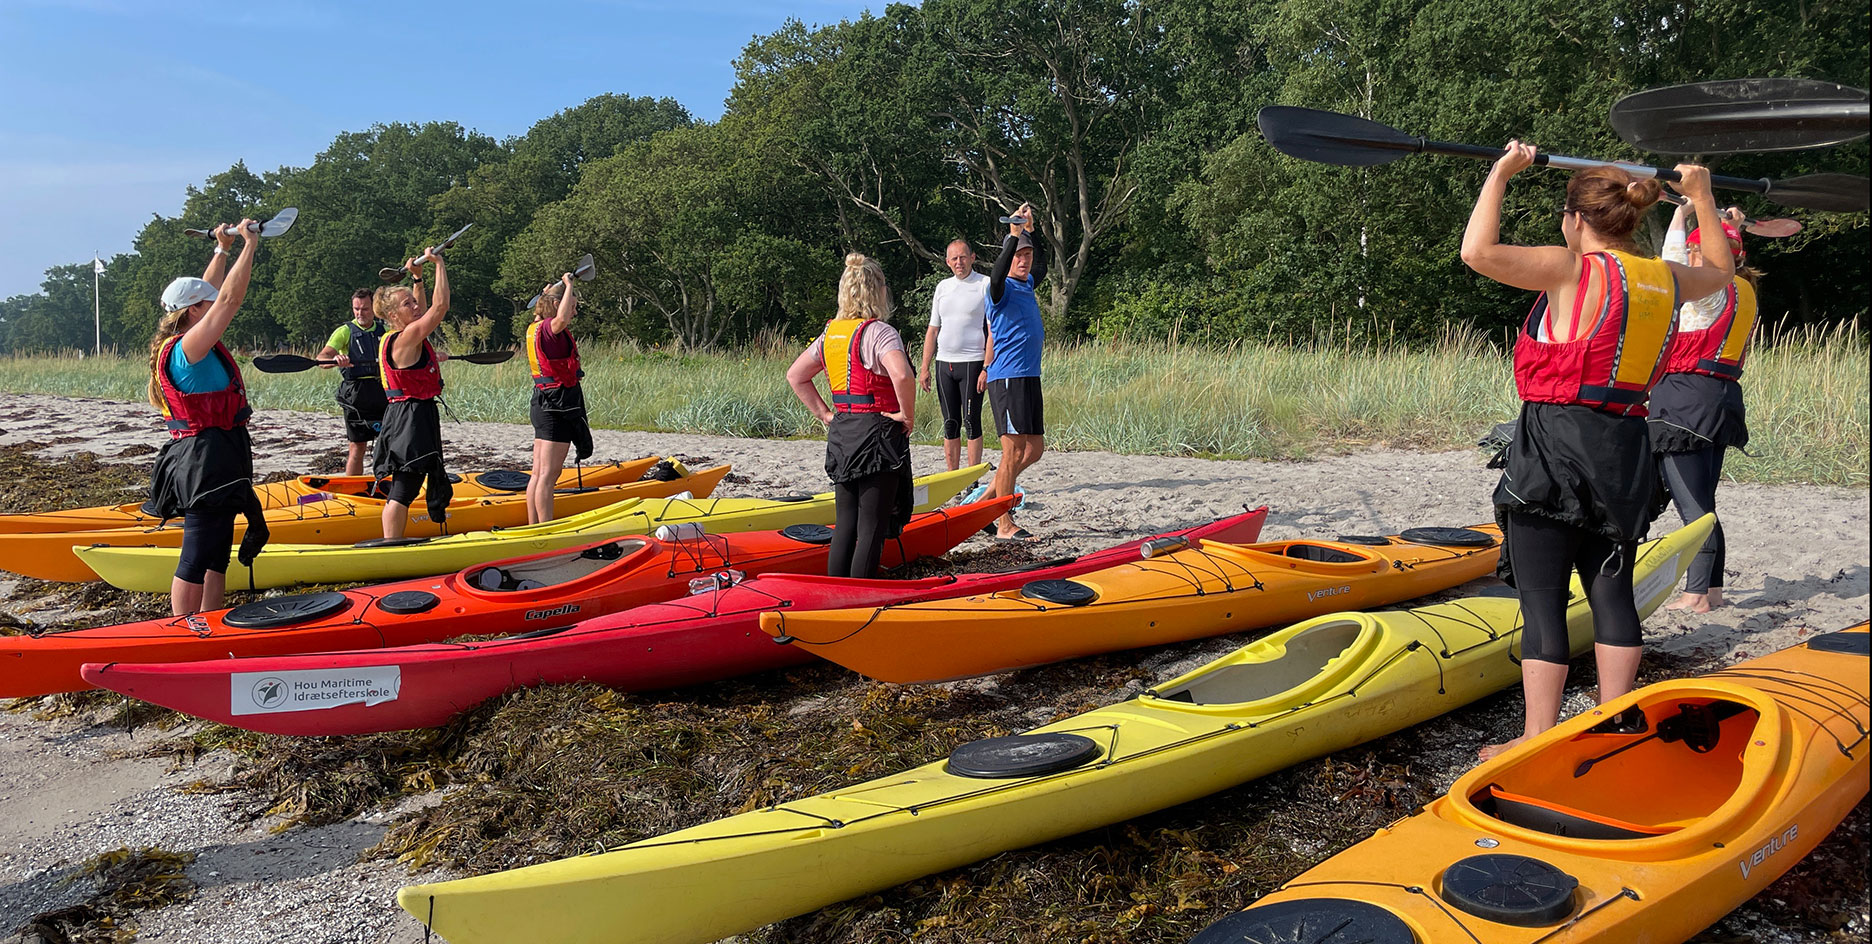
(1448, 537)
(390, 542)
(287, 610)
(1062, 592)
(504, 480)
(1022, 755)
(408, 601)
(1372, 539)
(808, 533)
(1854, 644)
(1309, 921)
(1510, 889)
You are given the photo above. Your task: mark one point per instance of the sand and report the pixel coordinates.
(72, 787)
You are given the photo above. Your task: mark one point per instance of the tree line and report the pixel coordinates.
(1129, 125)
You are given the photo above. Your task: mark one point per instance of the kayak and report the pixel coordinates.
(293, 492)
(660, 645)
(1207, 589)
(1588, 834)
(286, 565)
(326, 519)
(521, 594)
(1320, 686)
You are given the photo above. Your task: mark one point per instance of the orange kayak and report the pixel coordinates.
(1610, 831)
(335, 519)
(293, 492)
(1206, 589)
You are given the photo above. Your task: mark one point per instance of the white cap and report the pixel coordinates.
(186, 291)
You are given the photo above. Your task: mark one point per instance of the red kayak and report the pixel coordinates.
(704, 637)
(549, 590)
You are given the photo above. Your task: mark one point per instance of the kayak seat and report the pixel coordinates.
(1321, 554)
(492, 578)
(1555, 819)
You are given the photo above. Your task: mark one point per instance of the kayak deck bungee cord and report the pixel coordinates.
(1317, 687)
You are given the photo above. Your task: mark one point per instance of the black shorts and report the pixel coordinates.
(558, 415)
(1018, 408)
(363, 403)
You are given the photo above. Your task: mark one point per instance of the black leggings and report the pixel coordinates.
(1544, 553)
(864, 507)
(207, 542)
(1693, 477)
(961, 402)
(404, 487)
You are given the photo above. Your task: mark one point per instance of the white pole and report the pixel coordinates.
(97, 305)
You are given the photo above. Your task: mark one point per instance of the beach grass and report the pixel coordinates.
(1807, 390)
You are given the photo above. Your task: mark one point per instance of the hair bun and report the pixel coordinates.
(1644, 192)
(854, 260)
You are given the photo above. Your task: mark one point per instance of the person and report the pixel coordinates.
(204, 474)
(868, 423)
(352, 348)
(558, 410)
(957, 341)
(409, 451)
(1697, 411)
(1011, 363)
(1578, 490)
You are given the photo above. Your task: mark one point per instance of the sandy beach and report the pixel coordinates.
(74, 786)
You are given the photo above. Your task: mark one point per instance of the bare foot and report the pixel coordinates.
(1688, 601)
(1713, 599)
(1492, 750)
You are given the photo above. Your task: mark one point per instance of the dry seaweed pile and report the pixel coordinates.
(126, 881)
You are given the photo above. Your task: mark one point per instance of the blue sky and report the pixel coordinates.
(110, 108)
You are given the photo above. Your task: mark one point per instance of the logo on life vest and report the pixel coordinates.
(565, 610)
(1769, 848)
(1328, 592)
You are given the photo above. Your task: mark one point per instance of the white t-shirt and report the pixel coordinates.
(959, 313)
(1700, 313)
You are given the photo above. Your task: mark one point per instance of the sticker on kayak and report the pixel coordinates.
(258, 693)
(921, 496)
(316, 497)
(1660, 581)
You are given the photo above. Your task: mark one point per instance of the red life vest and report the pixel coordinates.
(1719, 349)
(189, 413)
(423, 382)
(551, 372)
(855, 387)
(1614, 362)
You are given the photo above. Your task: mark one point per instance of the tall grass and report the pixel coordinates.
(1808, 395)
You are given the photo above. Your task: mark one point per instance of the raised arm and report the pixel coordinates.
(568, 306)
(1537, 268)
(420, 329)
(201, 337)
(218, 262)
(1718, 267)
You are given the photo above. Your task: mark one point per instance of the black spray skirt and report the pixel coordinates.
(863, 444)
(1693, 412)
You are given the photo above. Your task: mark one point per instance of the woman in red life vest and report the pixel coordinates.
(1579, 488)
(868, 423)
(1696, 409)
(205, 472)
(409, 450)
(558, 409)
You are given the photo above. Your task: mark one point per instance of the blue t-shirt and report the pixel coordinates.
(1015, 323)
(204, 376)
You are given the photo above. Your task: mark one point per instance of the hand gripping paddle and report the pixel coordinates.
(294, 363)
(280, 223)
(585, 271)
(394, 274)
(1780, 226)
(1736, 115)
(1348, 141)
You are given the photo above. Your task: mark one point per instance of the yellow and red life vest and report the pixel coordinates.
(1613, 364)
(855, 387)
(422, 382)
(189, 413)
(551, 372)
(1718, 350)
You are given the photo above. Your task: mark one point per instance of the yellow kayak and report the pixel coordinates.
(285, 565)
(1319, 686)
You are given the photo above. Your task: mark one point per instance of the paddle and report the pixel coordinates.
(1780, 226)
(392, 274)
(1348, 141)
(280, 223)
(1733, 115)
(294, 363)
(585, 271)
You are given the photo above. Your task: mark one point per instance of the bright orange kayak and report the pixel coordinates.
(1610, 833)
(294, 492)
(334, 519)
(1205, 589)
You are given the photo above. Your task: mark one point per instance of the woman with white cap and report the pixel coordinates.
(205, 472)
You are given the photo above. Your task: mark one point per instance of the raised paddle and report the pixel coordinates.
(294, 363)
(393, 274)
(1780, 226)
(1734, 115)
(1331, 138)
(280, 223)
(585, 271)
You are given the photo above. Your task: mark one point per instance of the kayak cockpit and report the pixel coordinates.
(551, 570)
(1314, 556)
(1288, 668)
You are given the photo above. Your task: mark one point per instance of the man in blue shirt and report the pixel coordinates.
(1012, 359)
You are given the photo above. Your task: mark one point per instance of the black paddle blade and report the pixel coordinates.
(1838, 193)
(390, 274)
(486, 357)
(1736, 115)
(284, 363)
(1331, 138)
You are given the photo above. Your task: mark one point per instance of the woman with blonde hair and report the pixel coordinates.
(204, 474)
(409, 450)
(869, 420)
(558, 409)
(1579, 488)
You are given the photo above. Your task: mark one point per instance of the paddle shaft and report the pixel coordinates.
(1563, 162)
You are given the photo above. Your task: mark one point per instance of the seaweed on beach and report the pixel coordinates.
(126, 881)
(31, 483)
